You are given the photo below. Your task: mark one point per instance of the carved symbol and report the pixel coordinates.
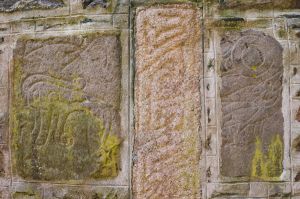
(251, 97)
(61, 130)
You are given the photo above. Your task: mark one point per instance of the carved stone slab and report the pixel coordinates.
(65, 107)
(167, 102)
(251, 101)
(14, 5)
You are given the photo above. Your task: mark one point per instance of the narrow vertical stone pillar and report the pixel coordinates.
(167, 102)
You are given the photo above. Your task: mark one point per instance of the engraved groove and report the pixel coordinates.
(167, 103)
(251, 100)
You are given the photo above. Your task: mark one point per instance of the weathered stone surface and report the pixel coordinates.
(15, 5)
(26, 191)
(77, 192)
(3, 91)
(223, 191)
(251, 100)
(65, 107)
(259, 4)
(94, 3)
(167, 99)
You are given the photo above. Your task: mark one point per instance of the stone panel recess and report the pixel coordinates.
(65, 107)
(251, 101)
(167, 102)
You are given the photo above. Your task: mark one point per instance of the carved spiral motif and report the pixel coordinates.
(251, 97)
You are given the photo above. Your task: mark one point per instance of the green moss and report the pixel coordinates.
(282, 33)
(269, 166)
(55, 137)
(256, 5)
(27, 193)
(237, 24)
(21, 195)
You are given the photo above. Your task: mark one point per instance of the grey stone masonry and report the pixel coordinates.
(158, 99)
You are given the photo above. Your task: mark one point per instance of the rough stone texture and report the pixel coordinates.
(76, 192)
(167, 100)
(65, 107)
(15, 5)
(94, 3)
(251, 100)
(260, 4)
(3, 92)
(219, 17)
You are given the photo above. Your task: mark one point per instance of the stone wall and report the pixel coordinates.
(149, 99)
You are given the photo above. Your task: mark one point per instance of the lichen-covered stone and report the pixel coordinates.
(15, 5)
(251, 100)
(26, 191)
(91, 192)
(167, 99)
(259, 4)
(65, 119)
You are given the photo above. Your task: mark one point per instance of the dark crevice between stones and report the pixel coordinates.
(290, 16)
(86, 20)
(208, 142)
(208, 87)
(2, 160)
(233, 19)
(296, 144)
(208, 115)
(210, 64)
(297, 177)
(298, 115)
(208, 174)
(94, 3)
(295, 71)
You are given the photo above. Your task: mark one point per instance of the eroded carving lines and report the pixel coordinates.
(167, 97)
(65, 107)
(251, 100)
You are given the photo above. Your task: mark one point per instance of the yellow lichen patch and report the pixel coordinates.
(109, 154)
(55, 136)
(269, 166)
(254, 76)
(258, 164)
(254, 68)
(275, 157)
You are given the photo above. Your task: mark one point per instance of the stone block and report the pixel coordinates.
(92, 192)
(167, 99)
(251, 101)
(66, 94)
(17, 5)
